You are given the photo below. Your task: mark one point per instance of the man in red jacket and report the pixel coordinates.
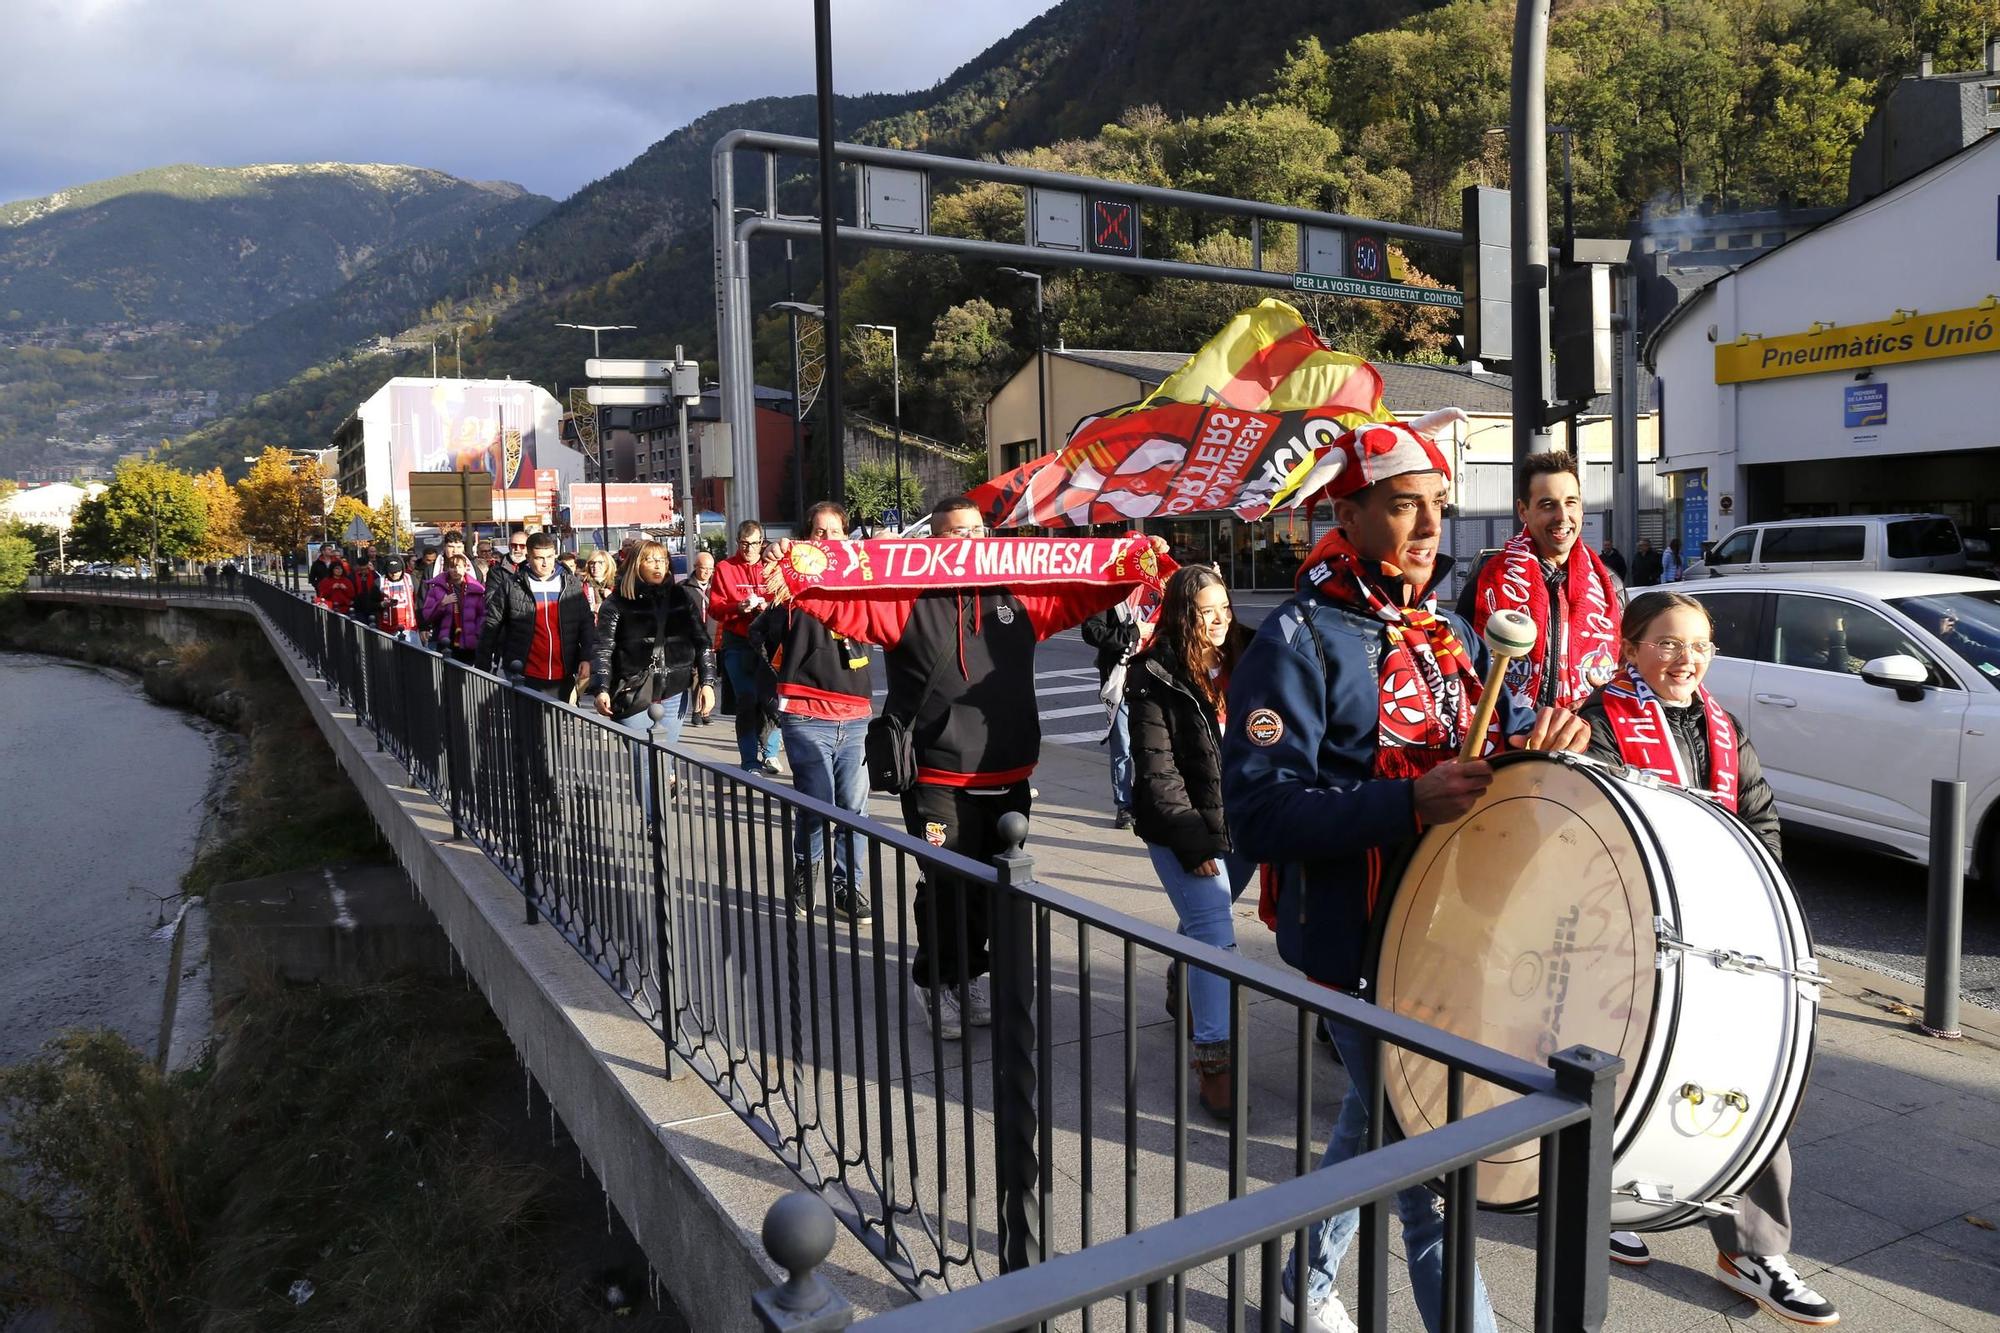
(736, 598)
(961, 666)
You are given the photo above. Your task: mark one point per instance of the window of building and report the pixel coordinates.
(1992, 98)
(1742, 242)
(1774, 238)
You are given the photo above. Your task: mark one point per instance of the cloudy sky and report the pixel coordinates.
(552, 95)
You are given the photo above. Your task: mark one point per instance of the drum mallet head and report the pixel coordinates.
(1509, 634)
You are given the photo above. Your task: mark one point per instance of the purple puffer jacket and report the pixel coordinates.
(438, 611)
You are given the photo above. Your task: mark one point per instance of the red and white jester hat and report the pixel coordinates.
(1379, 450)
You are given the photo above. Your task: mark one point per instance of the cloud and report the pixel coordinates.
(552, 96)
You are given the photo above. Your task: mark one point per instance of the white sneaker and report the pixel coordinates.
(947, 1023)
(978, 1003)
(1628, 1249)
(1771, 1281)
(1329, 1317)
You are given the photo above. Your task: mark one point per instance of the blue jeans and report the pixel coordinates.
(754, 745)
(640, 724)
(828, 764)
(1121, 757)
(1423, 1217)
(1202, 902)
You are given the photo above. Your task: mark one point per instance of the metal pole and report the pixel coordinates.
(603, 468)
(1529, 206)
(896, 379)
(691, 513)
(1041, 377)
(1942, 935)
(1625, 417)
(829, 240)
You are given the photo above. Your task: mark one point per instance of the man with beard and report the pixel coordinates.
(1549, 574)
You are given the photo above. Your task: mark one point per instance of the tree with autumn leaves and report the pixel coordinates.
(280, 501)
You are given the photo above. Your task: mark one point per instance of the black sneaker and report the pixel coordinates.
(1124, 819)
(1627, 1248)
(849, 901)
(798, 888)
(1771, 1281)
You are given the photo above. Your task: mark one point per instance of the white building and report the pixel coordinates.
(510, 428)
(53, 505)
(1850, 371)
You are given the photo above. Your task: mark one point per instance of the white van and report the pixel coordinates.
(1916, 543)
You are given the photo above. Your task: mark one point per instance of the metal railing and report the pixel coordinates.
(153, 587)
(956, 1162)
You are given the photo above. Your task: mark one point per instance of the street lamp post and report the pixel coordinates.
(603, 487)
(793, 309)
(1041, 365)
(896, 380)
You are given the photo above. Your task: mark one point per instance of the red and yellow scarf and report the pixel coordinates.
(854, 568)
(1513, 580)
(1639, 721)
(1427, 686)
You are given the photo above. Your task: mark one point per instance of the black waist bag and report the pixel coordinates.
(889, 749)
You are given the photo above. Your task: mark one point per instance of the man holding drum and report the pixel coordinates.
(1546, 572)
(1656, 717)
(1347, 715)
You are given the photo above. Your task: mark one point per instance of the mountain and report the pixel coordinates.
(209, 246)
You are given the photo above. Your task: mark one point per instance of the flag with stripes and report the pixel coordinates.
(1237, 428)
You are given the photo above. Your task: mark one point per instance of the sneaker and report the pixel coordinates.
(1627, 1248)
(798, 888)
(772, 767)
(1123, 819)
(946, 1022)
(1329, 1317)
(978, 1003)
(849, 901)
(1771, 1281)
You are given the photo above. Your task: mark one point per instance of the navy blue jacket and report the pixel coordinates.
(1305, 802)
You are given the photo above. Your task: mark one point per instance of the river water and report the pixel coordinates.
(102, 806)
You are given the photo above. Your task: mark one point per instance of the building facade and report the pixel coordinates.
(1850, 371)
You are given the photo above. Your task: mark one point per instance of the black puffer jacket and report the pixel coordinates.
(1755, 804)
(1176, 761)
(664, 616)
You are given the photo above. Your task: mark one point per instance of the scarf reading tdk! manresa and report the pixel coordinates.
(1427, 683)
(893, 565)
(1589, 650)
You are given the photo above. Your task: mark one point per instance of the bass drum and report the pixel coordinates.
(1579, 904)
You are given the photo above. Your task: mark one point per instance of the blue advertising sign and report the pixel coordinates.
(1694, 513)
(1867, 405)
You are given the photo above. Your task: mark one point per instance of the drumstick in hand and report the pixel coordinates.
(1509, 634)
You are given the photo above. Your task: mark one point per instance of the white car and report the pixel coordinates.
(1858, 689)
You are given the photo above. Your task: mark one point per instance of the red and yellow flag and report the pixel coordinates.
(1237, 428)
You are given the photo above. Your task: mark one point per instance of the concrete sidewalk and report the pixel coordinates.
(1897, 1149)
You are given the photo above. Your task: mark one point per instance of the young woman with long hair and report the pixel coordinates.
(651, 647)
(1176, 690)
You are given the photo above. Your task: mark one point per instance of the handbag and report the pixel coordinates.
(644, 687)
(889, 748)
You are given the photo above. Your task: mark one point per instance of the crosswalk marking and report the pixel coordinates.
(1071, 681)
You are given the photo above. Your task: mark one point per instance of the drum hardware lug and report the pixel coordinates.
(1806, 974)
(1692, 1094)
(1650, 1192)
(1666, 955)
(1737, 1098)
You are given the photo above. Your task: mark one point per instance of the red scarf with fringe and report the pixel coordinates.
(1427, 686)
(1514, 579)
(1639, 721)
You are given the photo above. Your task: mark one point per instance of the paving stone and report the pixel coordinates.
(1878, 1072)
(1979, 1238)
(1828, 1111)
(1933, 1149)
(1882, 1183)
(1954, 1288)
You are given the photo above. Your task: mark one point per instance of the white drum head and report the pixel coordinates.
(1526, 926)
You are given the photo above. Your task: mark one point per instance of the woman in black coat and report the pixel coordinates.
(1175, 690)
(651, 647)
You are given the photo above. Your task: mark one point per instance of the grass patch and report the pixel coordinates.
(368, 1141)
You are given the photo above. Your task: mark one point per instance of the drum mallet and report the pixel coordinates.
(1509, 634)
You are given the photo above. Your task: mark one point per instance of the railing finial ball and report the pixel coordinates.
(1014, 830)
(798, 1235)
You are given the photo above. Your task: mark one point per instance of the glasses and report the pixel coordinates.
(1675, 649)
(977, 530)
(748, 542)
(512, 547)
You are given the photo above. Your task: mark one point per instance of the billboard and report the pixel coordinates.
(465, 426)
(641, 504)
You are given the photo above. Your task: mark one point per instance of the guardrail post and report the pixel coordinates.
(1943, 935)
(1015, 1120)
(798, 1235)
(521, 704)
(452, 704)
(1582, 1202)
(660, 776)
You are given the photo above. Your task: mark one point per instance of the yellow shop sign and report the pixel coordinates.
(1859, 346)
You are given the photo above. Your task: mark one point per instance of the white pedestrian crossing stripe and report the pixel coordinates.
(1066, 681)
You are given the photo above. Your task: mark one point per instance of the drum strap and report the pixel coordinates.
(1645, 738)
